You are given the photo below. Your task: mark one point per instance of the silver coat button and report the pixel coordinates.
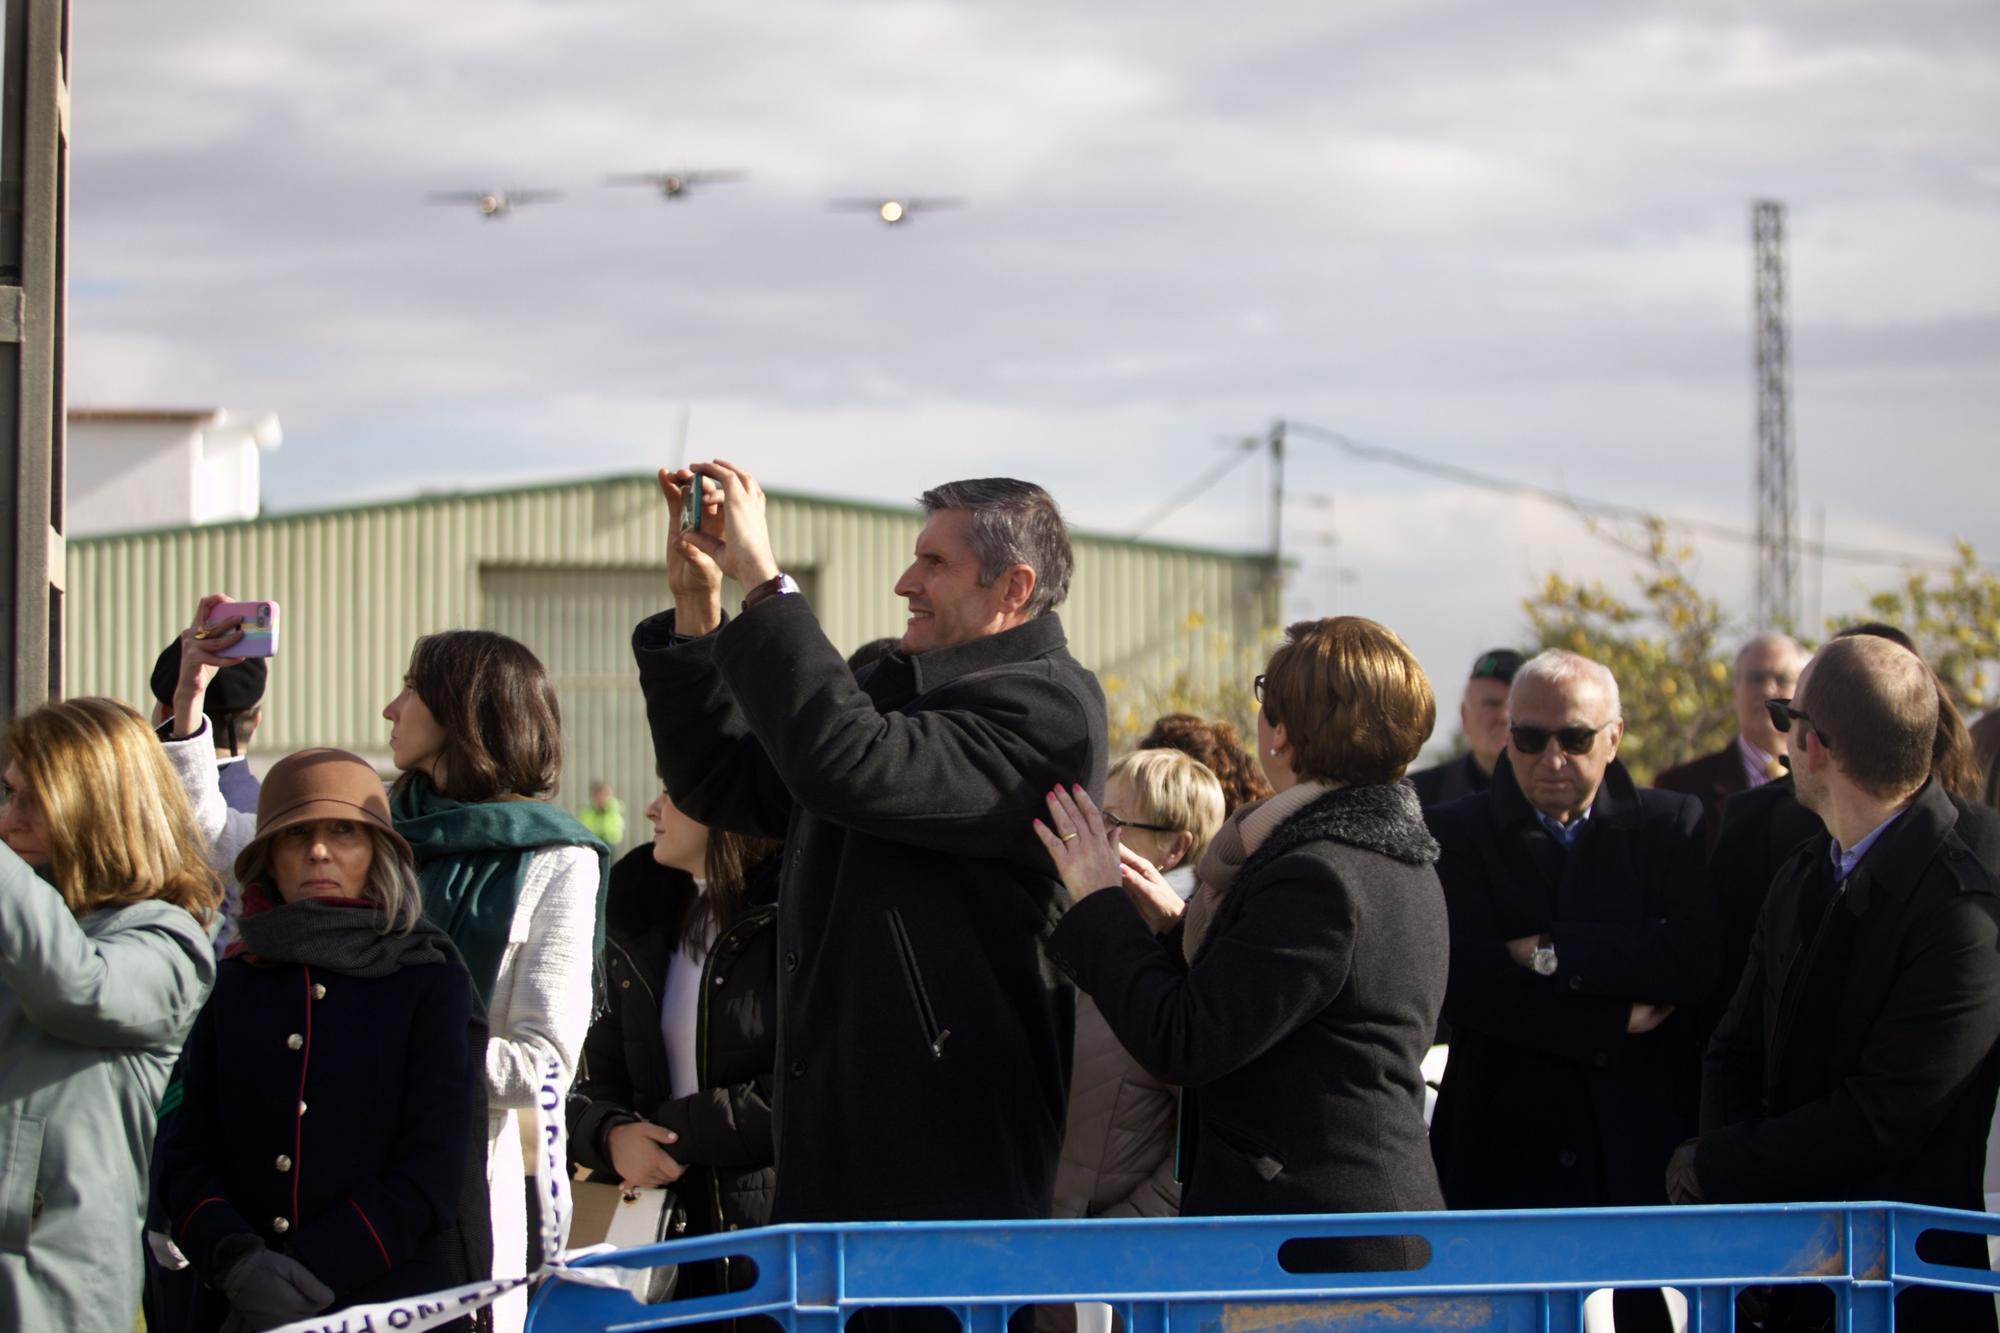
(319, 991)
(280, 1225)
(302, 1108)
(283, 1163)
(295, 1041)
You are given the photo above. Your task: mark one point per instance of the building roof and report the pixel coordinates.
(190, 415)
(442, 497)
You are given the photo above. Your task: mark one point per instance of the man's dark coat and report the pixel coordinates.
(1302, 1024)
(1449, 781)
(1856, 1060)
(1711, 779)
(1547, 1102)
(923, 1039)
(1761, 828)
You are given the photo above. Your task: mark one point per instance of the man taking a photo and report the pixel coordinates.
(923, 1041)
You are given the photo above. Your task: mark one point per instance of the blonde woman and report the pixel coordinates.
(105, 898)
(1118, 1141)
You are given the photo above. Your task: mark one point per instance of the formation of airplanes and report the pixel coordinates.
(893, 210)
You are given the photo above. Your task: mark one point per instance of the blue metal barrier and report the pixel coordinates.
(1498, 1270)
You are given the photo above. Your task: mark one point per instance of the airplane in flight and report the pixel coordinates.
(673, 184)
(493, 204)
(895, 212)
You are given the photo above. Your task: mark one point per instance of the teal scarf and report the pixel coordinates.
(472, 860)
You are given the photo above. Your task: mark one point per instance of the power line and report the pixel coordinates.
(1244, 449)
(1604, 508)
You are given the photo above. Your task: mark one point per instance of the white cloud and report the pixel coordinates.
(1511, 237)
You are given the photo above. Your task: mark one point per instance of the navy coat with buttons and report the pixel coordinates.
(329, 1116)
(1547, 1102)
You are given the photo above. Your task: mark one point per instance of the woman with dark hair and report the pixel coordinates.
(675, 1084)
(513, 879)
(1296, 995)
(1214, 744)
(1985, 735)
(104, 963)
(339, 996)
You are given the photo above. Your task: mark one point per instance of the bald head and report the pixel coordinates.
(1874, 705)
(1767, 667)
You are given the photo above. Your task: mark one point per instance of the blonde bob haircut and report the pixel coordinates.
(1174, 789)
(391, 886)
(1355, 706)
(118, 826)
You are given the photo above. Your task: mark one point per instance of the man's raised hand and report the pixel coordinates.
(743, 549)
(692, 576)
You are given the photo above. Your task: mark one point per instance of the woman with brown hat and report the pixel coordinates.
(321, 1145)
(515, 881)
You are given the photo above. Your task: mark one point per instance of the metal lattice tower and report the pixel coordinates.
(1776, 594)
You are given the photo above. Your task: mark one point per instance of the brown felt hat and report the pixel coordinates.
(321, 784)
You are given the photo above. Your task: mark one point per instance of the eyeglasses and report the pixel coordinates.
(1782, 714)
(1114, 821)
(1534, 740)
(1257, 688)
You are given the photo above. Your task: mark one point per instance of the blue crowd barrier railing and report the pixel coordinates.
(1495, 1270)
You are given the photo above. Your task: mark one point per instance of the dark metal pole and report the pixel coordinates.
(34, 218)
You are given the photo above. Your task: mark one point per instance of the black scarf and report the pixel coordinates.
(339, 938)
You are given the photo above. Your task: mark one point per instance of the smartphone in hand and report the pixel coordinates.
(691, 504)
(259, 622)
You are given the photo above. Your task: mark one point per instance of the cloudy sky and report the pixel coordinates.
(1510, 237)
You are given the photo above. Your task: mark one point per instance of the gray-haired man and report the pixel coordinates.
(923, 1043)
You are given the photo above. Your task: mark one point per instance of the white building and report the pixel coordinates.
(163, 467)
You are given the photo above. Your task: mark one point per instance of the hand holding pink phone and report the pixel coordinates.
(257, 620)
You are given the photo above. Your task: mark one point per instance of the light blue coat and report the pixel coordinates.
(92, 1016)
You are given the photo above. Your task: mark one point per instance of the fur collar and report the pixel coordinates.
(1384, 817)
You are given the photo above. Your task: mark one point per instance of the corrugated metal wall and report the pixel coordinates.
(569, 569)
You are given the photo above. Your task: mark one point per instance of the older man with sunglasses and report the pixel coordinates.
(1581, 935)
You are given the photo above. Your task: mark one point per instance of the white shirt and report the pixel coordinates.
(680, 1007)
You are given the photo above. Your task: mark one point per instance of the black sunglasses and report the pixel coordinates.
(1782, 715)
(1113, 821)
(1257, 687)
(1534, 740)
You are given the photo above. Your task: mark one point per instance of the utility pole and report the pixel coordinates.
(34, 204)
(1776, 588)
(1275, 587)
(1276, 442)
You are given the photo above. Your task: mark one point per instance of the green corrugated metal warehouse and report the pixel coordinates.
(569, 569)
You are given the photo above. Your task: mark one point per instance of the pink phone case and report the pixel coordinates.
(260, 628)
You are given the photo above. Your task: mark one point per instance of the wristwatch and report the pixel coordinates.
(1543, 960)
(775, 586)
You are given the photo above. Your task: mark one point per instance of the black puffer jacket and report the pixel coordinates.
(725, 1128)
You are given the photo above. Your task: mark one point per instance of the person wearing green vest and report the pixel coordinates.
(605, 815)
